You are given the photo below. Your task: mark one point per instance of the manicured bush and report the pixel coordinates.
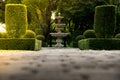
(89, 33)
(16, 20)
(40, 37)
(19, 44)
(100, 44)
(38, 44)
(3, 35)
(13, 1)
(38, 31)
(83, 44)
(105, 21)
(79, 37)
(74, 43)
(117, 35)
(29, 34)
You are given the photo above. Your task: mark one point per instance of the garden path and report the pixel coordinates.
(60, 64)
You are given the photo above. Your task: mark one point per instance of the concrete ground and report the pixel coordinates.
(60, 64)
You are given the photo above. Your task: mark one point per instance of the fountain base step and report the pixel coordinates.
(59, 45)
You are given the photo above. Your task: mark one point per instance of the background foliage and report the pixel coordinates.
(78, 15)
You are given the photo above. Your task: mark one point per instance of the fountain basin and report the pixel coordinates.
(59, 34)
(59, 25)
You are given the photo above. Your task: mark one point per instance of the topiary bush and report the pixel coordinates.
(117, 35)
(105, 21)
(40, 37)
(3, 35)
(38, 31)
(16, 20)
(79, 37)
(89, 33)
(75, 42)
(29, 34)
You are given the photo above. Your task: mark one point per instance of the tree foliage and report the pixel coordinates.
(40, 15)
(13, 1)
(2, 11)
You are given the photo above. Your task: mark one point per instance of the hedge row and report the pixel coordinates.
(20, 44)
(99, 44)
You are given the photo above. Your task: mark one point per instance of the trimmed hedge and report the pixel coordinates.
(16, 20)
(40, 37)
(3, 35)
(99, 44)
(117, 35)
(29, 34)
(79, 37)
(105, 21)
(20, 44)
(90, 33)
(38, 44)
(38, 31)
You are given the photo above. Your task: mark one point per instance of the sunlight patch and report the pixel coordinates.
(2, 27)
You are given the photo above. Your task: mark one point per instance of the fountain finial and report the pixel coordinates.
(59, 14)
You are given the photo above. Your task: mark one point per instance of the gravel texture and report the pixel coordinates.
(60, 64)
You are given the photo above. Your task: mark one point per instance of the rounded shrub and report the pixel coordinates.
(16, 20)
(40, 37)
(3, 35)
(105, 21)
(38, 31)
(79, 37)
(29, 34)
(89, 34)
(117, 35)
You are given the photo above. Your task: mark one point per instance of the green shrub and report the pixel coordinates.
(13, 1)
(38, 31)
(79, 37)
(105, 21)
(3, 35)
(38, 44)
(19, 44)
(89, 33)
(83, 44)
(117, 35)
(29, 34)
(16, 20)
(74, 43)
(40, 37)
(100, 44)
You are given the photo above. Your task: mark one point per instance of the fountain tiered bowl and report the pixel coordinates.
(59, 35)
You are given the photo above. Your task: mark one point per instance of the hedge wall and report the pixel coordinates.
(99, 44)
(16, 20)
(20, 44)
(105, 21)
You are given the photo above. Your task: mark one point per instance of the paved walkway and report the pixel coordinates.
(60, 64)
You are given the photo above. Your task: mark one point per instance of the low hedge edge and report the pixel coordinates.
(20, 44)
(99, 44)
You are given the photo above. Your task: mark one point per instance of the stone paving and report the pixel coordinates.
(60, 64)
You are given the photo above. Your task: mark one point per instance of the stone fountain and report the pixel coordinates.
(59, 33)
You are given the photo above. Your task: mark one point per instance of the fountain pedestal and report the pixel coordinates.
(59, 38)
(59, 34)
